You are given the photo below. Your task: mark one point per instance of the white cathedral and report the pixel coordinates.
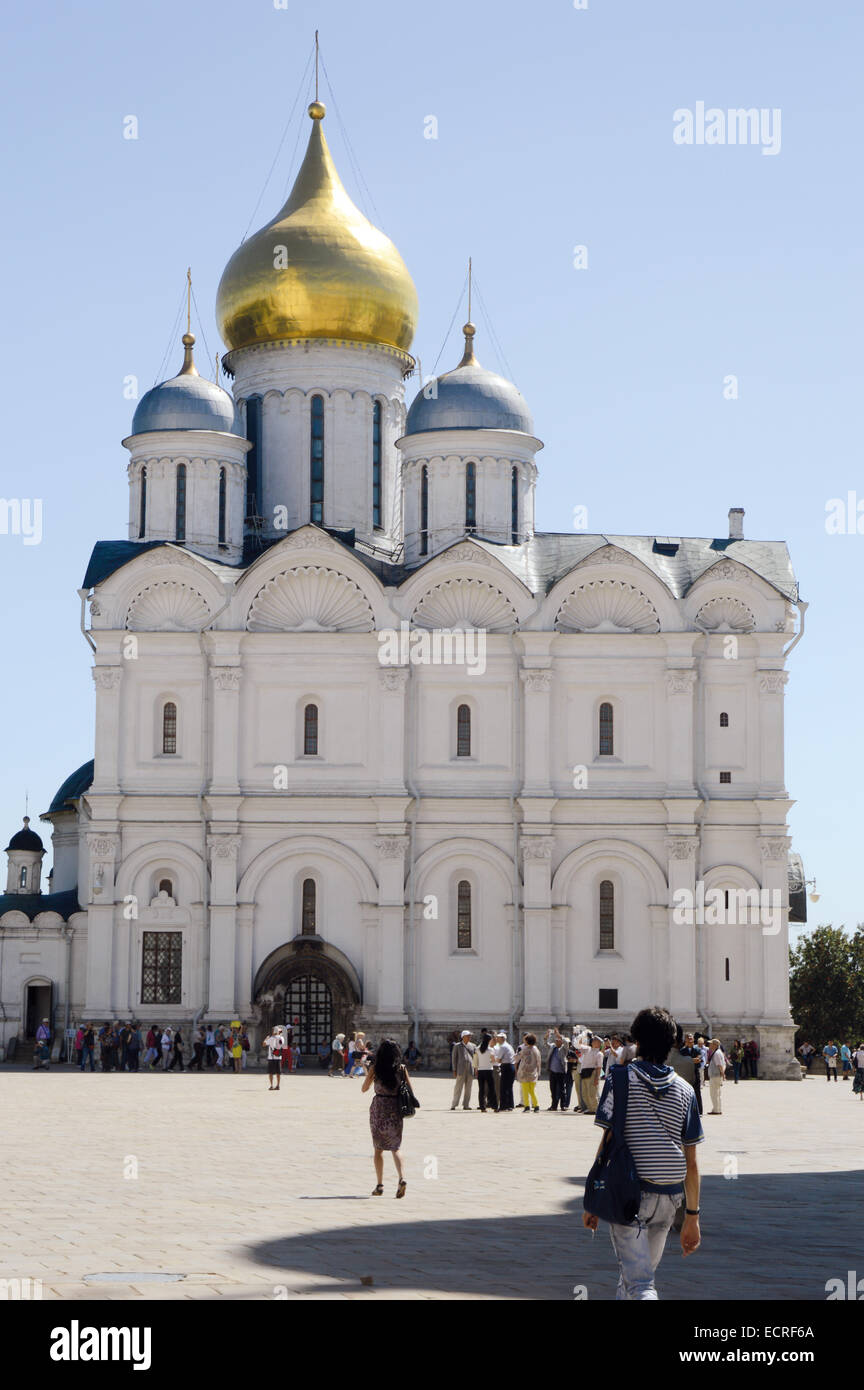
(291, 815)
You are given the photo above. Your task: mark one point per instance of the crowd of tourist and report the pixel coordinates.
(837, 1058)
(577, 1062)
(132, 1046)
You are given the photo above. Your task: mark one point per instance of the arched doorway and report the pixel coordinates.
(309, 1013)
(310, 985)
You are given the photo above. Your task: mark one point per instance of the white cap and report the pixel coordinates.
(466, 1033)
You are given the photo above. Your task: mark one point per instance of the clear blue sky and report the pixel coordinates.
(554, 129)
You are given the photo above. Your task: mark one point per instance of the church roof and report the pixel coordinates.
(31, 904)
(75, 785)
(677, 561)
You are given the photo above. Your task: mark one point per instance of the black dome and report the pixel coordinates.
(25, 839)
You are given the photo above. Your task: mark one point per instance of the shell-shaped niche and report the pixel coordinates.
(310, 599)
(607, 605)
(725, 615)
(167, 606)
(466, 603)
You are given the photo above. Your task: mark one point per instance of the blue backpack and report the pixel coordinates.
(612, 1188)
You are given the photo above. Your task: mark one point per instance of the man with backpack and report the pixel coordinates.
(657, 1140)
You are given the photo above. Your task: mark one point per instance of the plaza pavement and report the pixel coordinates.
(255, 1196)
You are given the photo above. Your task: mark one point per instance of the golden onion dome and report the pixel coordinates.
(318, 270)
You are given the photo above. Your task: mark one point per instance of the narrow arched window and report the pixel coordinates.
(253, 458)
(728, 975)
(310, 729)
(180, 504)
(223, 497)
(316, 462)
(724, 721)
(470, 496)
(514, 506)
(607, 730)
(142, 504)
(310, 908)
(463, 731)
(22, 877)
(376, 464)
(463, 916)
(166, 886)
(424, 510)
(607, 916)
(169, 727)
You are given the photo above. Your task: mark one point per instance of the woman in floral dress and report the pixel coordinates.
(385, 1073)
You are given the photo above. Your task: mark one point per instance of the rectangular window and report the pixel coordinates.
(162, 967)
(463, 916)
(725, 776)
(607, 999)
(424, 510)
(376, 464)
(316, 463)
(253, 458)
(310, 730)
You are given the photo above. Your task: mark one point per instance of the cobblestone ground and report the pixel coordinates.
(253, 1196)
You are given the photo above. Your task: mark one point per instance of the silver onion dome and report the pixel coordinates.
(470, 397)
(186, 402)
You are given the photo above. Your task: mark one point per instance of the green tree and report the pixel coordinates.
(826, 986)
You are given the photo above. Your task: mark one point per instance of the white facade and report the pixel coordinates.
(501, 839)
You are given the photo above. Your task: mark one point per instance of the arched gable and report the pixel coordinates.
(308, 847)
(597, 850)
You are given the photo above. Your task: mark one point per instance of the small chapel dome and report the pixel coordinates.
(26, 839)
(470, 398)
(186, 402)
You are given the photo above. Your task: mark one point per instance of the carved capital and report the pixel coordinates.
(536, 680)
(538, 847)
(223, 846)
(772, 682)
(226, 677)
(391, 846)
(107, 677)
(682, 846)
(393, 680)
(680, 682)
(775, 848)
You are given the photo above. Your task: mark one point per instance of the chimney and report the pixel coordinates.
(736, 523)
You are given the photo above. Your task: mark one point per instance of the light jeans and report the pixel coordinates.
(464, 1082)
(639, 1247)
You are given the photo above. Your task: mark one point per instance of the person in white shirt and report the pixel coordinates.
(275, 1045)
(716, 1075)
(210, 1047)
(167, 1044)
(485, 1058)
(507, 1062)
(589, 1074)
(337, 1056)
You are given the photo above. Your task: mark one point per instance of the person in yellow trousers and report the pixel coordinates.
(528, 1067)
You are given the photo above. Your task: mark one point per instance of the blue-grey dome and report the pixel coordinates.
(187, 402)
(470, 398)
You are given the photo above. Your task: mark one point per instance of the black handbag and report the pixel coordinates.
(408, 1102)
(612, 1188)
